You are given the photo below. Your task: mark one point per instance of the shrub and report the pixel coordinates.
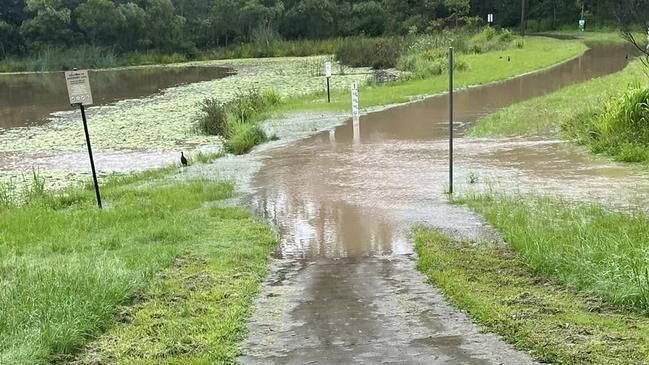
(213, 122)
(377, 53)
(490, 40)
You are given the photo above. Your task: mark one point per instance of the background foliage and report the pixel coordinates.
(29, 27)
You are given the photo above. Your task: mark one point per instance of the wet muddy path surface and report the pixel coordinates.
(344, 288)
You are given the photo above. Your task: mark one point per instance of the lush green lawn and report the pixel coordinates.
(546, 114)
(537, 53)
(65, 268)
(557, 325)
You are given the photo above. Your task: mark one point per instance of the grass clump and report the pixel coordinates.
(619, 130)
(66, 266)
(555, 325)
(377, 53)
(583, 246)
(237, 121)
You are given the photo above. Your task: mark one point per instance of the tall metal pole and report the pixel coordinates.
(92, 161)
(328, 92)
(450, 119)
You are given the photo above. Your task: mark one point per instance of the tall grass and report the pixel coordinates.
(65, 265)
(584, 246)
(620, 129)
(236, 121)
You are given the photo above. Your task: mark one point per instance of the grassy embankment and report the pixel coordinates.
(502, 289)
(606, 114)
(537, 53)
(185, 267)
(481, 58)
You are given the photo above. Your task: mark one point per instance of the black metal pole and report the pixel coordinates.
(450, 119)
(92, 160)
(328, 92)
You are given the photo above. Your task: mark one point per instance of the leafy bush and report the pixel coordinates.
(213, 122)
(237, 120)
(377, 53)
(490, 40)
(620, 129)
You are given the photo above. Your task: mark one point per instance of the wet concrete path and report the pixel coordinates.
(344, 288)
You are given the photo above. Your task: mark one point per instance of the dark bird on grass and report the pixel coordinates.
(509, 59)
(183, 160)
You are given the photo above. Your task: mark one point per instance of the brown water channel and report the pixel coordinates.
(29, 99)
(344, 288)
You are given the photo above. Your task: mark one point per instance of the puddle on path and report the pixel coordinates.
(344, 206)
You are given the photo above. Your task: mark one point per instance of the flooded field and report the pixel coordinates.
(144, 116)
(344, 203)
(28, 99)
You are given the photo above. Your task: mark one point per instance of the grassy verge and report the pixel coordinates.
(546, 115)
(537, 53)
(557, 325)
(584, 246)
(66, 267)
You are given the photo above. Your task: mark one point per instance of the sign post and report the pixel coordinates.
(450, 119)
(80, 94)
(328, 76)
(490, 18)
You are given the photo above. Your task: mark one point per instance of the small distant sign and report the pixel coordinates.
(490, 18)
(328, 69)
(78, 87)
(582, 24)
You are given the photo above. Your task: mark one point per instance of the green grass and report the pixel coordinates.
(546, 114)
(583, 246)
(555, 324)
(537, 53)
(66, 267)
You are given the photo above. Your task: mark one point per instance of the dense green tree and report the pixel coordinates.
(50, 24)
(183, 25)
(101, 21)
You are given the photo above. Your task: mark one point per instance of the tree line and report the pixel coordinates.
(187, 25)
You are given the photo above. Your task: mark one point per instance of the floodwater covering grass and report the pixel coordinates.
(494, 284)
(536, 53)
(67, 266)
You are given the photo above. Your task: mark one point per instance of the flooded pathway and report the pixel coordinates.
(344, 288)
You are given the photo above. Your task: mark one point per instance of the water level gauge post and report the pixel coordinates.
(80, 94)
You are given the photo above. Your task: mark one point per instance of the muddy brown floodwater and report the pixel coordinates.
(28, 99)
(344, 288)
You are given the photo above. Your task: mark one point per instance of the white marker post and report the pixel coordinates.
(78, 84)
(328, 76)
(356, 113)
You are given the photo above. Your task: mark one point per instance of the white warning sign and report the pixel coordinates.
(78, 87)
